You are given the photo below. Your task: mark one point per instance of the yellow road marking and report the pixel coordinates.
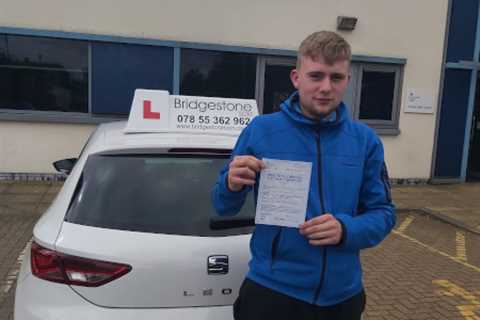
(408, 220)
(430, 248)
(461, 249)
(468, 311)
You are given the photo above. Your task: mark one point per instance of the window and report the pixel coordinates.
(462, 30)
(376, 98)
(118, 69)
(376, 95)
(43, 74)
(151, 193)
(274, 82)
(373, 94)
(61, 80)
(218, 74)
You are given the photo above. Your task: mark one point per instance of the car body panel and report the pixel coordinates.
(167, 270)
(169, 277)
(53, 301)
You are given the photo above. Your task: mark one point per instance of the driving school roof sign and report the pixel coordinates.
(157, 111)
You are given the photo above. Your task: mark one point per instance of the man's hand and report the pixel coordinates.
(322, 230)
(243, 171)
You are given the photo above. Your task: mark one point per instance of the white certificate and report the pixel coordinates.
(283, 193)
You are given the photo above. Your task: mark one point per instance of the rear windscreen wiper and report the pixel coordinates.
(230, 223)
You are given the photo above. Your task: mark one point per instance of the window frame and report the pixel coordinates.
(53, 115)
(262, 63)
(384, 127)
(264, 56)
(56, 116)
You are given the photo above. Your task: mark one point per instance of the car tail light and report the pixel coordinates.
(58, 267)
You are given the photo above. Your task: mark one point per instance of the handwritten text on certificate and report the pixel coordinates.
(283, 193)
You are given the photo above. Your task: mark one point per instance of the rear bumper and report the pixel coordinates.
(36, 299)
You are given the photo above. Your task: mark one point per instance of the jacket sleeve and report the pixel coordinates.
(376, 212)
(225, 201)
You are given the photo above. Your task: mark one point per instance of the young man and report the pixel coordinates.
(312, 272)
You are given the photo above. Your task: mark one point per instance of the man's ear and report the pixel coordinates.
(294, 78)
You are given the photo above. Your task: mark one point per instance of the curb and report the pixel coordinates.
(442, 217)
(28, 177)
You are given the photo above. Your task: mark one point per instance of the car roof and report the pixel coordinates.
(111, 137)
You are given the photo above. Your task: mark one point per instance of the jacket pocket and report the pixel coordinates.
(264, 243)
(343, 274)
(342, 182)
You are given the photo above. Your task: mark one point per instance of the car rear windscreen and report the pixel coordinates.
(152, 193)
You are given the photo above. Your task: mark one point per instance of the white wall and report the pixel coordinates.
(33, 147)
(408, 29)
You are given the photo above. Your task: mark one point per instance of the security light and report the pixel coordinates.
(346, 23)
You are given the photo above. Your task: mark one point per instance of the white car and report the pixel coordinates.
(133, 235)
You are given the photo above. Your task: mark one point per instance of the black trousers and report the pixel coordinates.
(256, 302)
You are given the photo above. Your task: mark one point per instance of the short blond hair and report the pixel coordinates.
(326, 44)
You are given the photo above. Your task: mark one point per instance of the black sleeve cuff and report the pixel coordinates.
(343, 239)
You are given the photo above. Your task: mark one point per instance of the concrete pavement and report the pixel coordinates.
(458, 204)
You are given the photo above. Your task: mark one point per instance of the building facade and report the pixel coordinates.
(66, 66)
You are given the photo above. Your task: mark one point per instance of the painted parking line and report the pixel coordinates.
(466, 302)
(471, 309)
(460, 246)
(404, 225)
(12, 274)
(430, 248)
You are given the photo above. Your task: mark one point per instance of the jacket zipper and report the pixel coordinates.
(322, 209)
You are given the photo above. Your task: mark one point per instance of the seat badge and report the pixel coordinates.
(217, 265)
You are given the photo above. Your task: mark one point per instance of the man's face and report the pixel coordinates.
(320, 85)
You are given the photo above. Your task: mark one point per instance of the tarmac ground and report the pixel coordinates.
(427, 268)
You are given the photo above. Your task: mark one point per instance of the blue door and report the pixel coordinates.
(458, 95)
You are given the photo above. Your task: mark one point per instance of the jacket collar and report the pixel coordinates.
(291, 108)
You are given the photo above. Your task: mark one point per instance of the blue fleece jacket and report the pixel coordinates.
(349, 180)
